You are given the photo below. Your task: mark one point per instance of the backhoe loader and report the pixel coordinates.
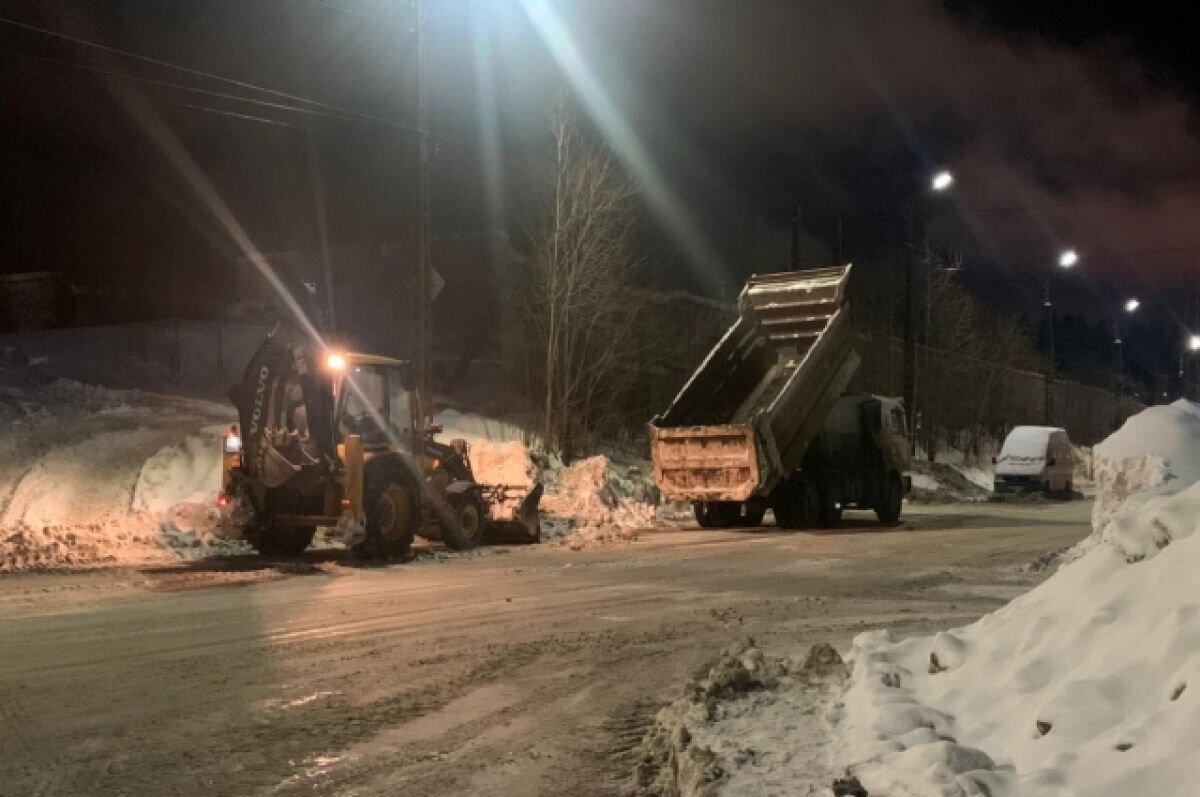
(342, 440)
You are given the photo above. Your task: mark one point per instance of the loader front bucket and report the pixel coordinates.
(514, 517)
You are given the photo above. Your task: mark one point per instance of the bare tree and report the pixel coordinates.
(580, 314)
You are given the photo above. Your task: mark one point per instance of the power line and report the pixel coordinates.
(206, 92)
(199, 73)
(192, 106)
(363, 15)
(1087, 202)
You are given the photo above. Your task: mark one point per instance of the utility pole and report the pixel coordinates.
(421, 329)
(796, 220)
(1047, 405)
(910, 342)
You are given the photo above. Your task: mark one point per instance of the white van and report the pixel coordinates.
(1035, 458)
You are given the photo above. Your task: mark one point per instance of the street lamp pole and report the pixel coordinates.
(939, 183)
(1066, 260)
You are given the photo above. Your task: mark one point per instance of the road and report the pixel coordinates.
(512, 671)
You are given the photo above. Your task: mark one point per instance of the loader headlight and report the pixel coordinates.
(233, 441)
(335, 361)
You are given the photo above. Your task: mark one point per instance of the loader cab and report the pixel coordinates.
(374, 398)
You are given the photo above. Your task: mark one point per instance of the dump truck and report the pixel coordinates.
(763, 422)
(341, 440)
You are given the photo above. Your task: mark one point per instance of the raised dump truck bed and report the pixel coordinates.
(741, 426)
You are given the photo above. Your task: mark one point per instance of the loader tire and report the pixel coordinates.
(470, 516)
(891, 499)
(282, 541)
(392, 513)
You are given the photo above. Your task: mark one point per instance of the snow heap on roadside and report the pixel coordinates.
(1087, 685)
(93, 476)
(599, 501)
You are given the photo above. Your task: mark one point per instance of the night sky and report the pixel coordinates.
(1066, 124)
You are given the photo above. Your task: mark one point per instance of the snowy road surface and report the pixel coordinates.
(512, 671)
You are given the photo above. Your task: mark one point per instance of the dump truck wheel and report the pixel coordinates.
(392, 515)
(723, 514)
(281, 541)
(891, 500)
(752, 517)
(829, 513)
(700, 510)
(471, 517)
(798, 505)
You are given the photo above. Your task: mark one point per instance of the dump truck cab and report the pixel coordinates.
(341, 441)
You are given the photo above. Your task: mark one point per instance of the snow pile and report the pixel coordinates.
(593, 501)
(471, 427)
(1088, 685)
(596, 501)
(1155, 452)
(751, 725)
(943, 482)
(89, 476)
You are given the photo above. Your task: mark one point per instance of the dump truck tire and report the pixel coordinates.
(470, 517)
(752, 517)
(700, 510)
(891, 500)
(829, 514)
(798, 505)
(392, 513)
(281, 541)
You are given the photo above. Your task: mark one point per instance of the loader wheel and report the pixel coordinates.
(891, 500)
(830, 512)
(469, 511)
(281, 541)
(391, 509)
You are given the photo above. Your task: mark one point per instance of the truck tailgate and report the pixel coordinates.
(705, 463)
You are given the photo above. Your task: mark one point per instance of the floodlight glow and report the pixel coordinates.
(1132, 305)
(1194, 343)
(942, 180)
(1068, 258)
(335, 362)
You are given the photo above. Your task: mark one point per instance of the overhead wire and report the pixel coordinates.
(201, 73)
(166, 84)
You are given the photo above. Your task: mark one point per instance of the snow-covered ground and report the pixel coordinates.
(1087, 685)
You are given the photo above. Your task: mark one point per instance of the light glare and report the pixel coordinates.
(1068, 258)
(1132, 305)
(942, 180)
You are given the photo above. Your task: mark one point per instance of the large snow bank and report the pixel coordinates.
(1087, 685)
(89, 476)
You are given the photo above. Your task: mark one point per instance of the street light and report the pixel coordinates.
(1192, 346)
(942, 180)
(1131, 305)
